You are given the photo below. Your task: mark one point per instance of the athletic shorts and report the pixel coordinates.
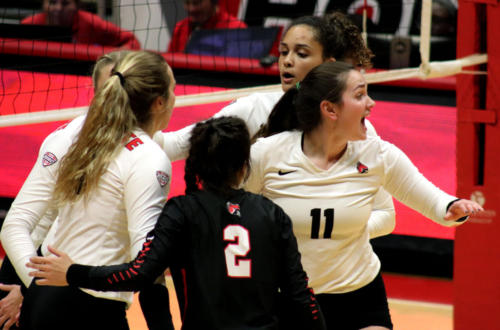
(354, 310)
(54, 308)
(364, 307)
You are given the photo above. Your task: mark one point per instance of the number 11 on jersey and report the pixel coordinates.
(316, 222)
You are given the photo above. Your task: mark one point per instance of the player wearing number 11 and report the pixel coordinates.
(333, 171)
(233, 250)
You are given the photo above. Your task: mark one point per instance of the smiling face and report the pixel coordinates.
(355, 107)
(299, 53)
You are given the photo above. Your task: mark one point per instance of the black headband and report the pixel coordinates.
(122, 79)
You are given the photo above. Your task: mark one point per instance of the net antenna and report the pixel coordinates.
(426, 70)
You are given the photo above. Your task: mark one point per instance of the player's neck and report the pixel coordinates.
(323, 148)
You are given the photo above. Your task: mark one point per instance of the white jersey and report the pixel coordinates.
(254, 110)
(107, 229)
(330, 208)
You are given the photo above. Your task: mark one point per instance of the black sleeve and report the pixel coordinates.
(294, 282)
(150, 262)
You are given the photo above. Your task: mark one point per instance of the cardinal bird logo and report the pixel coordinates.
(362, 168)
(233, 209)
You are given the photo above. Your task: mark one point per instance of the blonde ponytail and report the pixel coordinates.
(116, 110)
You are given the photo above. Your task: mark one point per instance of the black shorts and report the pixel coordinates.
(54, 308)
(354, 310)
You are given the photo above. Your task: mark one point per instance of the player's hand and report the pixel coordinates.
(462, 208)
(10, 305)
(50, 270)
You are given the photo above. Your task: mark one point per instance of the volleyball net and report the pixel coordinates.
(38, 84)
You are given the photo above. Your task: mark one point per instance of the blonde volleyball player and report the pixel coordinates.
(121, 175)
(10, 283)
(154, 300)
(324, 171)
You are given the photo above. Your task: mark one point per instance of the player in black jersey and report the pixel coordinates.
(231, 251)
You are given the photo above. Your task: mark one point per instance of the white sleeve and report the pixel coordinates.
(30, 205)
(175, 144)
(145, 193)
(252, 109)
(409, 186)
(383, 216)
(255, 180)
(44, 226)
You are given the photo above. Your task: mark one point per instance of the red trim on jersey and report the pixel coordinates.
(184, 284)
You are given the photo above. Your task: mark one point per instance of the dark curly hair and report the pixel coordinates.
(220, 149)
(339, 37)
(346, 40)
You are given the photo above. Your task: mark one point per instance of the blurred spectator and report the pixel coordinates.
(444, 18)
(87, 28)
(202, 14)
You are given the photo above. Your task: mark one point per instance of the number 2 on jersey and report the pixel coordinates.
(316, 222)
(235, 264)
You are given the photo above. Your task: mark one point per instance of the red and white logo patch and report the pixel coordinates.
(362, 168)
(233, 209)
(48, 159)
(163, 178)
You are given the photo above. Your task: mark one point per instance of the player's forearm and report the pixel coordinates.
(381, 223)
(409, 186)
(107, 278)
(18, 246)
(383, 216)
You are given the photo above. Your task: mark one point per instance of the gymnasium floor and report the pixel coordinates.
(406, 314)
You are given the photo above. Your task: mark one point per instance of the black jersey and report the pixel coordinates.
(230, 256)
